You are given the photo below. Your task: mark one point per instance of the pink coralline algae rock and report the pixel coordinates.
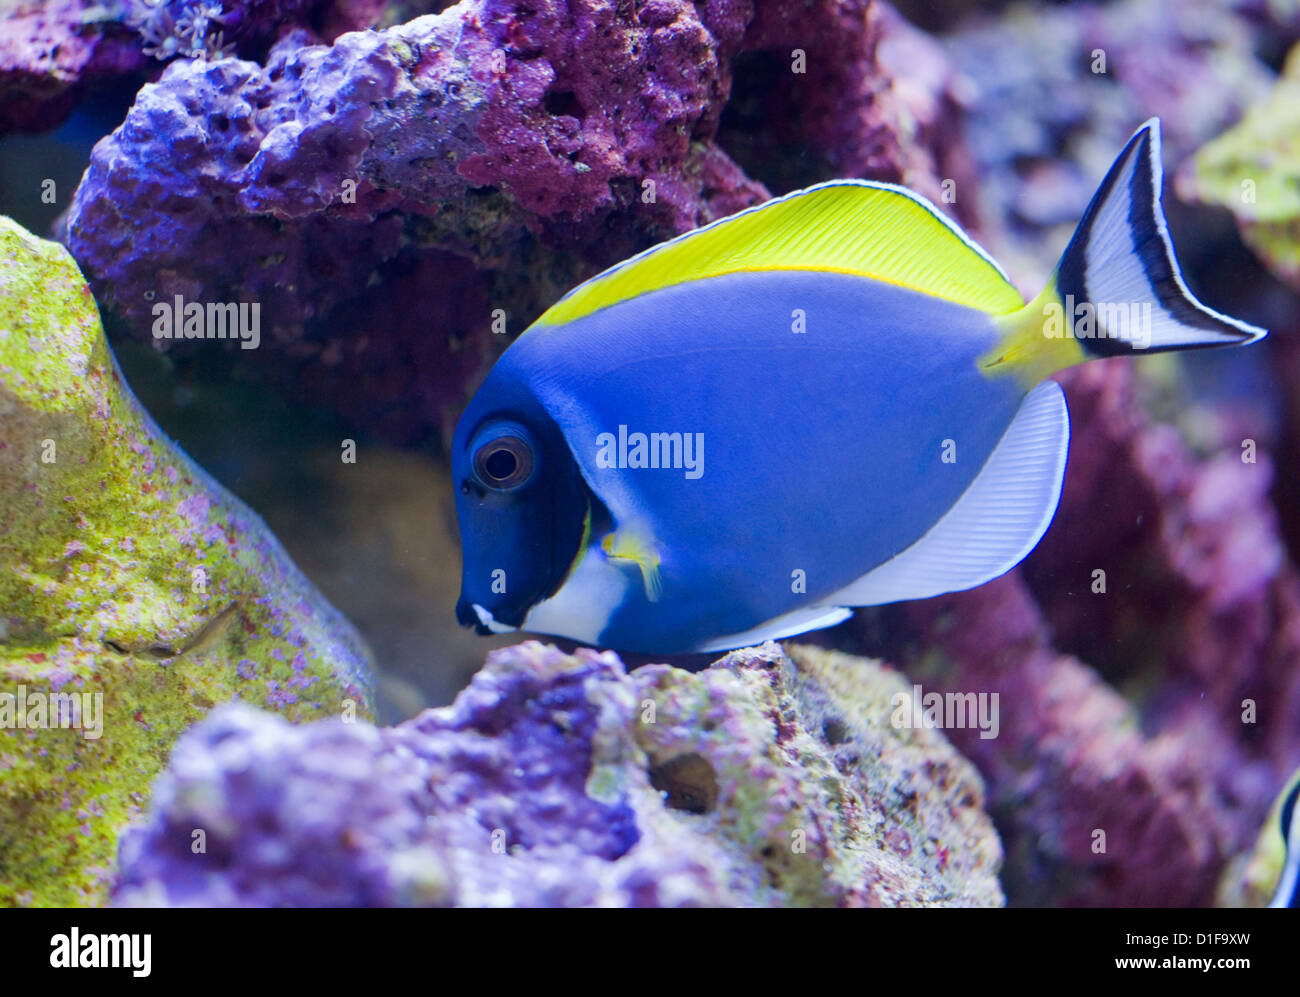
(1094, 811)
(559, 780)
(48, 49)
(493, 154)
(51, 50)
(855, 89)
(1160, 712)
(306, 184)
(1201, 533)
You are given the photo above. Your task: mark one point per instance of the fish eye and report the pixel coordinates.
(504, 463)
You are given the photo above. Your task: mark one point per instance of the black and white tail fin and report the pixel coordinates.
(1121, 264)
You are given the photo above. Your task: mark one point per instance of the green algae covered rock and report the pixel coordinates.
(135, 594)
(799, 757)
(1253, 170)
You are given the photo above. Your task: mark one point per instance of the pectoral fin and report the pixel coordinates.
(632, 547)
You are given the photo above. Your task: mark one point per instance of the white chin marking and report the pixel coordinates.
(486, 619)
(585, 603)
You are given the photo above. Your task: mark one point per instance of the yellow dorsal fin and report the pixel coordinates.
(850, 226)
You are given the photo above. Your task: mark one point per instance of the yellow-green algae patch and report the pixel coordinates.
(1253, 170)
(126, 573)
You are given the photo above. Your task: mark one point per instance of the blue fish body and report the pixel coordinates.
(895, 370)
(750, 445)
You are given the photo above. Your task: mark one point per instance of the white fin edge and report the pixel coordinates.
(789, 625)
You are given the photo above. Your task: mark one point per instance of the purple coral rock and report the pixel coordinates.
(337, 171)
(558, 780)
(417, 116)
(488, 156)
(48, 49)
(872, 95)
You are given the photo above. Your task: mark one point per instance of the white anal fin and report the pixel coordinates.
(799, 622)
(997, 521)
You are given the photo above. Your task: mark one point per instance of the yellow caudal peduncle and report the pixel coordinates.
(1034, 342)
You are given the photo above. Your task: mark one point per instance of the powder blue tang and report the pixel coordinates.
(867, 399)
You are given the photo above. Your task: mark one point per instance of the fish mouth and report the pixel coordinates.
(471, 614)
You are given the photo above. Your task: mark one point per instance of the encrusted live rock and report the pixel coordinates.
(486, 157)
(563, 780)
(50, 50)
(127, 573)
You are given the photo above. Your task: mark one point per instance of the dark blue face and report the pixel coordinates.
(521, 504)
